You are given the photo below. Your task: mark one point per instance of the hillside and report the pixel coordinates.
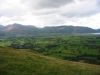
(18, 30)
(22, 62)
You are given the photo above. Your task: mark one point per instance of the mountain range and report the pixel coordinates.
(19, 30)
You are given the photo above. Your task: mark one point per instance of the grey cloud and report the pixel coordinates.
(2, 1)
(53, 3)
(40, 4)
(61, 7)
(9, 9)
(98, 2)
(48, 11)
(80, 14)
(11, 13)
(70, 15)
(82, 9)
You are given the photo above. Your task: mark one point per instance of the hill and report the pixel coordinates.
(69, 29)
(22, 62)
(18, 30)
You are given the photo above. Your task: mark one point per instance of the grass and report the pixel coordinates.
(23, 62)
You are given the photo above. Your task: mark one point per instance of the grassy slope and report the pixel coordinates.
(19, 62)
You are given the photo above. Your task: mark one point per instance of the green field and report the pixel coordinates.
(65, 55)
(75, 48)
(22, 62)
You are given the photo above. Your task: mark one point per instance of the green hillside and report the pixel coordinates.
(75, 48)
(22, 62)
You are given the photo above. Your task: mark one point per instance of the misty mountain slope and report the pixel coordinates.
(69, 29)
(2, 33)
(21, 62)
(98, 30)
(1, 27)
(18, 30)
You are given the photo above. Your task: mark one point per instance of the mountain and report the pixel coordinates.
(98, 30)
(69, 29)
(25, 62)
(15, 27)
(2, 33)
(18, 30)
(1, 27)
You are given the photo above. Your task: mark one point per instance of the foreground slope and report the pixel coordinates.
(21, 62)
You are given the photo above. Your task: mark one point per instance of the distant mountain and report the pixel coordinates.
(98, 30)
(18, 30)
(2, 34)
(69, 29)
(1, 27)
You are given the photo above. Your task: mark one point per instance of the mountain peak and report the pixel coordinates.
(13, 27)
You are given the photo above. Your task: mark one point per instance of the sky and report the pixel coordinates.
(42, 13)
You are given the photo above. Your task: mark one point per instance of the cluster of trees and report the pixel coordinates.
(76, 48)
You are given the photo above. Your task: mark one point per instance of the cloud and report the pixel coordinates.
(75, 8)
(80, 8)
(92, 21)
(50, 12)
(41, 4)
(12, 8)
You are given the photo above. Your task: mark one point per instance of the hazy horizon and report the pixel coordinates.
(41, 13)
(46, 25)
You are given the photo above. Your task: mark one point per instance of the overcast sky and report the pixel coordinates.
(51, 12)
